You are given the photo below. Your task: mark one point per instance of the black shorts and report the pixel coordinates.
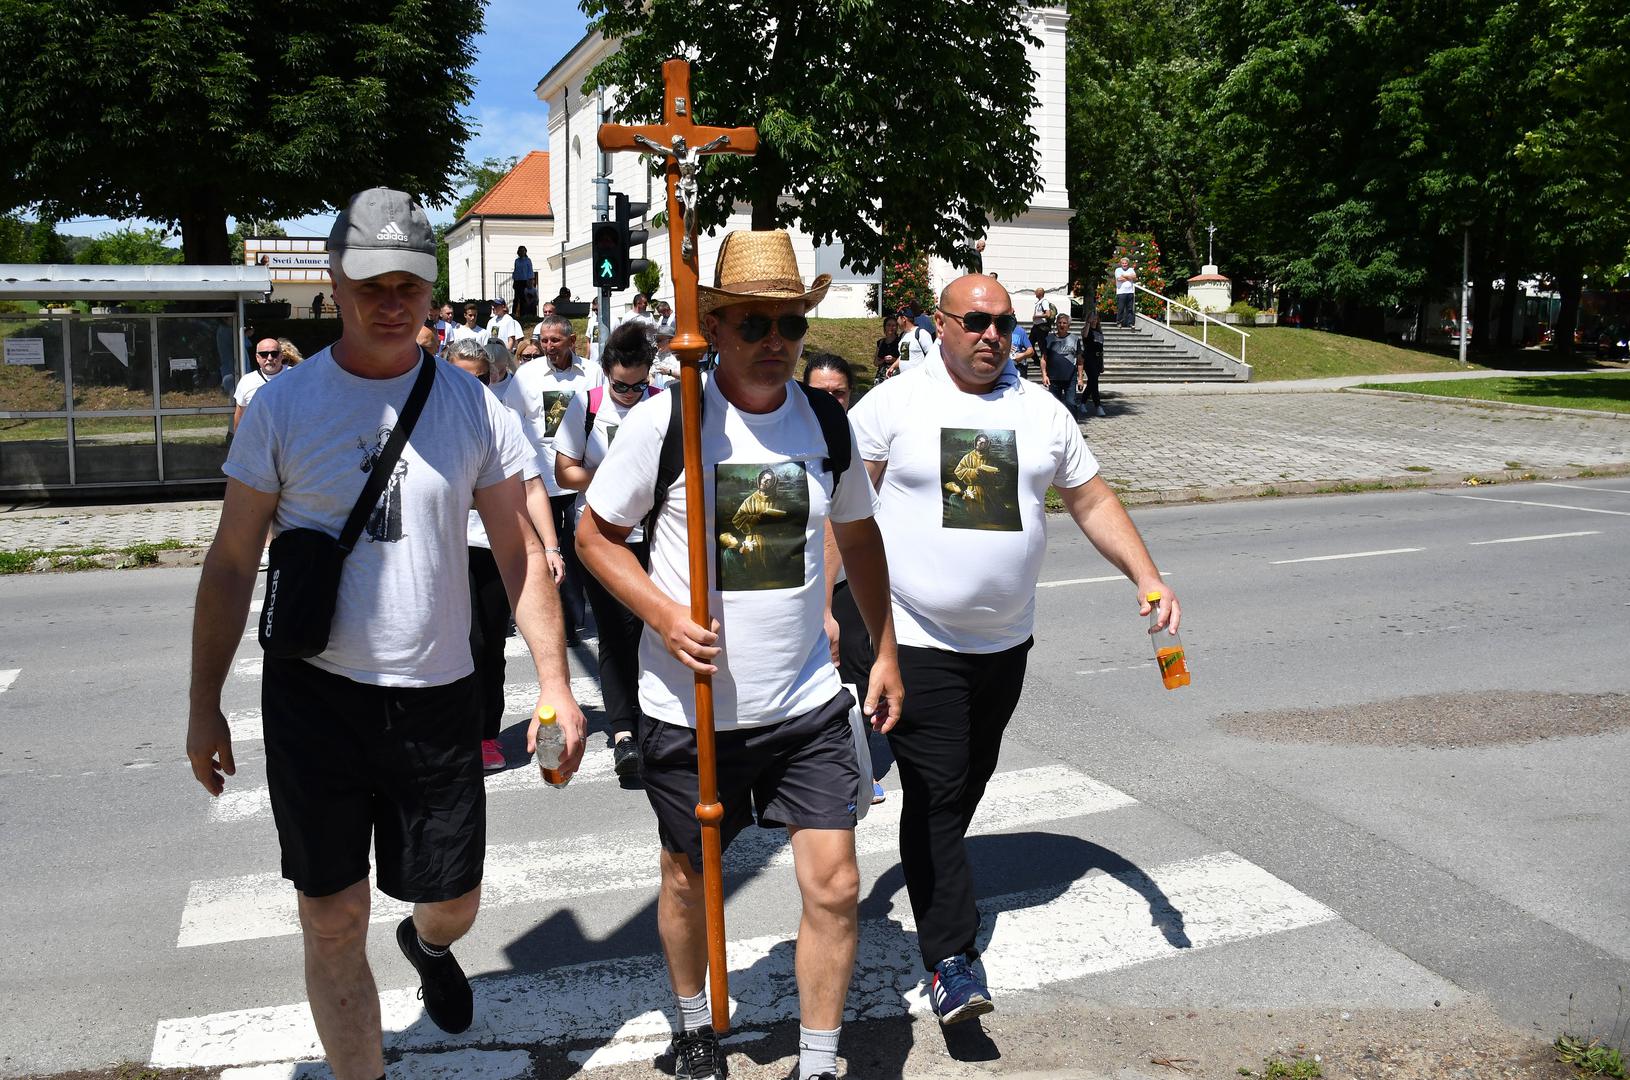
(346, 761)
(800, 772)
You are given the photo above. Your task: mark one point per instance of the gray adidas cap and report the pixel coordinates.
(381, 232)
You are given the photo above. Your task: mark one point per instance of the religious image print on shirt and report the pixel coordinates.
(554, 407)
(385, 522)
(762, 513)
(979, 478)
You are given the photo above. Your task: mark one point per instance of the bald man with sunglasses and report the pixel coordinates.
(772, 480)
(962, 451)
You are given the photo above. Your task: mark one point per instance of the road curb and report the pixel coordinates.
(1482, 404)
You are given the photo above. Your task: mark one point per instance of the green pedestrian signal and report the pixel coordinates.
(610, 265)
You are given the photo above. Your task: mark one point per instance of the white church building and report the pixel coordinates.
(1029, 250)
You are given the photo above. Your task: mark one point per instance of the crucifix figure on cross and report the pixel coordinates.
(682, 143)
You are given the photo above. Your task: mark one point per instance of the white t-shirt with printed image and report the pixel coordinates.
(398, 619)
(766, 548)
(962, 505)
(591, 451)
(541, 393)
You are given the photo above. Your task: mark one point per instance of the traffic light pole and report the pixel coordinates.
(602, 212)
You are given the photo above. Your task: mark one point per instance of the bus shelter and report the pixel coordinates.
(119, 376)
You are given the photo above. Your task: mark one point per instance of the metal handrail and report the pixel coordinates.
(1204, 319)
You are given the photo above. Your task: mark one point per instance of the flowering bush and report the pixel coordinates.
(905, 279)
(1144, 254)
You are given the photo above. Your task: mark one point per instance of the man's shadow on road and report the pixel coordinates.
(1012, 871)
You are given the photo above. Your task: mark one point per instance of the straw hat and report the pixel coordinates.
(758, 266)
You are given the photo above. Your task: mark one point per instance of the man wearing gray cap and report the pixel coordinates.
(376, 738)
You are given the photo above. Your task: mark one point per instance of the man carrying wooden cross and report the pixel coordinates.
(780, 462)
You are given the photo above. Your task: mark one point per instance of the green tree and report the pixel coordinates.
(649, 280)
(481, 179)
(245, 228)
(1139, 152)
(37, 241)
(129, 247)
(187, 112)
(872, 128)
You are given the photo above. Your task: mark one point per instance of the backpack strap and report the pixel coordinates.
(834, 429)
(670, 461)
(596, 397)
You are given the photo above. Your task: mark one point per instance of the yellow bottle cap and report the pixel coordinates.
(1153, 597)
(546, 715)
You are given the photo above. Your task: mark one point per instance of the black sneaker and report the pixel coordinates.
(443, 988)
(625, 757)
(697, 1055)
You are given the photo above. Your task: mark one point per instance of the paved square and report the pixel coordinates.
(1171, 442)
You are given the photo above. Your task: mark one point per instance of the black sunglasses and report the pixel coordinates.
(757, 327)
(272, 352)
(977, 322)
(628, 387)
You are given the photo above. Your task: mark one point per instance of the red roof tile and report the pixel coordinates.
(522, 193)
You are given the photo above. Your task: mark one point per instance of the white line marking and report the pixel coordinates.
(1524, 539)
(1037, 938)
(621, 1053)
(1106, 670)
(1584, 487)
(241, 805)
(1091, 580)
(1552, 506)
(8, 677)
(1349, 555)
(249, 668)
(262, 905)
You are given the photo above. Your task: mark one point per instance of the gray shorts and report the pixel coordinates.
(801, 772)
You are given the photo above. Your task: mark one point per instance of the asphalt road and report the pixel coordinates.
(1291, 831)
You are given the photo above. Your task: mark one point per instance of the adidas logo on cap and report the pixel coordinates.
(392, 232)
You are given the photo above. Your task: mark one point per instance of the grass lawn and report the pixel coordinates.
(1281, 352)
(1609, 392)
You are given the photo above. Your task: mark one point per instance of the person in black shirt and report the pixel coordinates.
(888, 348)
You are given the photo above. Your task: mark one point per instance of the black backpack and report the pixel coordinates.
(671, 462)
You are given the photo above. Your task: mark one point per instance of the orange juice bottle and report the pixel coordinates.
(1174, 671)
(551, 745)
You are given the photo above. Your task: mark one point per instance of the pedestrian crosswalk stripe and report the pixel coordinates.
(254, 906)
(1037, 938)
(8, 677)
(251, 802)
(245, 724)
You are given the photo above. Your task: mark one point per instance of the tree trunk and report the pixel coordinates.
(1421, 307)
(1570, 282)
(1506, 338)
(204, 240)
(1482, 297)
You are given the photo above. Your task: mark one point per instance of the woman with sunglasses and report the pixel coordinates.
(585, 434)
(489, 603)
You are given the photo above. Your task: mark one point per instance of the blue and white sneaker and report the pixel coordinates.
(878, 794)
(956, 993)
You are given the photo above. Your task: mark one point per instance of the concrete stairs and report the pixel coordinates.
(1151, 353)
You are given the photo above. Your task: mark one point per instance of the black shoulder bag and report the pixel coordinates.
(303, 579)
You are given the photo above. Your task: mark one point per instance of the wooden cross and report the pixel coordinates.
(682, 142)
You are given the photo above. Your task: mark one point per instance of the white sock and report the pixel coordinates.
(693, 1011)
(817, 1052)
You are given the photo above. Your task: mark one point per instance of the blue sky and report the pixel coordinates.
(522, 40)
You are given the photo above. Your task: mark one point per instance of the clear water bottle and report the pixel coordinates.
(1174, 671)
(551, 745)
